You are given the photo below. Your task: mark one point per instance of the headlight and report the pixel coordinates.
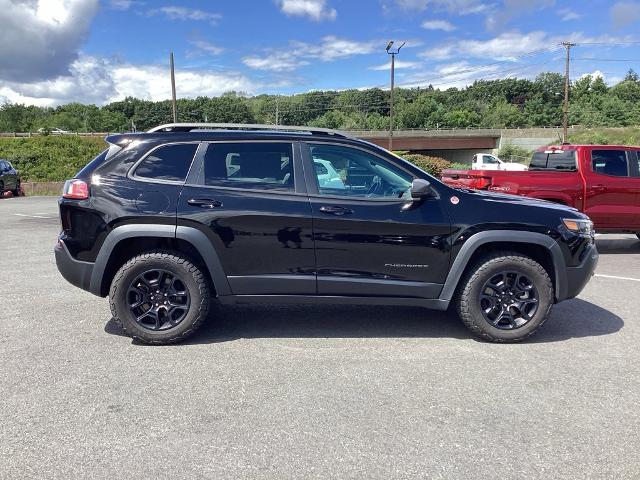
(579, 226)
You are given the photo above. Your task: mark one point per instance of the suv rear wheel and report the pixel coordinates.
(159, 297)
(505, 298)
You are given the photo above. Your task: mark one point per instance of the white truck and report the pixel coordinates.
(486, 161)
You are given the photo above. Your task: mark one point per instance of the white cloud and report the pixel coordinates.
(314, 9)
(625, 13)
(275, 62)
(459, 7)
(39, 40)
(99, 81)
(174, 12)
(400, 64)
(438, 25)
(298, 54)
(121, 4)
(566, 14)
(510, 45)
(207, 47)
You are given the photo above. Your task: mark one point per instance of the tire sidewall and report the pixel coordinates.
(522, 265)
(186, 272)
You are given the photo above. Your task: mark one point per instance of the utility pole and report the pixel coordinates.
(393, 54)
(277, 110)
(565, 108)
(173, 89)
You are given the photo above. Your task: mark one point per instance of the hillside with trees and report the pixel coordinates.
(509, 102)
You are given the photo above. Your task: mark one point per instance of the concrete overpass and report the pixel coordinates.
(458, 145)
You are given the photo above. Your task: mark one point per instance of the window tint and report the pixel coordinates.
(610, 162)
(170, 162)
(562, 160)
(355, 173)
(321, 169)
(264, 166)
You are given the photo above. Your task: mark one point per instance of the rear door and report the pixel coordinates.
(613, 189)
(249, 198)
(368, 243)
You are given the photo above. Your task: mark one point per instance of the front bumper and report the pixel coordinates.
(74, 271)
(578, 277)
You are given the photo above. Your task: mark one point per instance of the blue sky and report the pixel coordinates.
(98, 51)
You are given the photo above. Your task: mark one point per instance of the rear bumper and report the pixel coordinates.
(74, 271)
(578, 277)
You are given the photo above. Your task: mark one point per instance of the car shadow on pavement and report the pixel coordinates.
(571, 319)
(617, 245)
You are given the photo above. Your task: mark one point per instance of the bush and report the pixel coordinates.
(515, 153)
(50, 158)
(431, 165)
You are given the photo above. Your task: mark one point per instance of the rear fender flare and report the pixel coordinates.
(189, 234)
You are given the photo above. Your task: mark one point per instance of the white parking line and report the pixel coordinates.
(618, 278)
(30, 216)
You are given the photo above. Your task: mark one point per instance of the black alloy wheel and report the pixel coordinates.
(158, 299)
(508, 300)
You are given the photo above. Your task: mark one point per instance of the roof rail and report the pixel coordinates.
(188, 127)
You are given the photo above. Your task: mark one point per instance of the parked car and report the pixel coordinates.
(327, 175)
(602, 181)
(486, 161)
(162, 224)
(9, 178)
(54, 131)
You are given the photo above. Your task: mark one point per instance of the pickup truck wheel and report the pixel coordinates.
(159, 297)
(505, 298)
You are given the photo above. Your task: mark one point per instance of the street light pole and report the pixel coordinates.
(173, 89)
(393, 54)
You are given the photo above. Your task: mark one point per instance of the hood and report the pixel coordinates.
(519, 200)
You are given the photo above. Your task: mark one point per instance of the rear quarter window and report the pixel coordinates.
(563, 160)
(168, 163)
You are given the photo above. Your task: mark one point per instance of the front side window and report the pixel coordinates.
(255, 165)
(168, 163)
(352, 172)
(610, 162)
(490, 159)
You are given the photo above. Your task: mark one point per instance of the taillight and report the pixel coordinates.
(75, 189)
(481, 183)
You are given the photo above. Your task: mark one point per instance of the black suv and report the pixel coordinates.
(9, 178)
(164, 221)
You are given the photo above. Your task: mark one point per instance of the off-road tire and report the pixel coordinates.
(16, 191)
(190, 275)
(468, 304)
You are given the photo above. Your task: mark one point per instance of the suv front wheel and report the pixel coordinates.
(505, 298)
(159, 297)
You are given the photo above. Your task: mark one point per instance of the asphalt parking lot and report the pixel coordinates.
(302, 392)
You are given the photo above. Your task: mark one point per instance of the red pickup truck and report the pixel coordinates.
(602, 181)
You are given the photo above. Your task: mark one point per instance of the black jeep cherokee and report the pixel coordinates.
(164, 221)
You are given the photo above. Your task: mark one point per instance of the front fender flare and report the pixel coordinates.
(477, 240)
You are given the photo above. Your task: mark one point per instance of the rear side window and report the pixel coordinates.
(558, 160)
(610, 162)
(168, 163)
(255, 165)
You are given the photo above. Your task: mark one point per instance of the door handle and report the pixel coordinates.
(204, 202)
(600, 188)
(335, 210)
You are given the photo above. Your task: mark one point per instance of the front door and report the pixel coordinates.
(613, 190)
(249, 199)
(367, 241)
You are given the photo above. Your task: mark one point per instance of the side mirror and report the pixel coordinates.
(420, 189)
